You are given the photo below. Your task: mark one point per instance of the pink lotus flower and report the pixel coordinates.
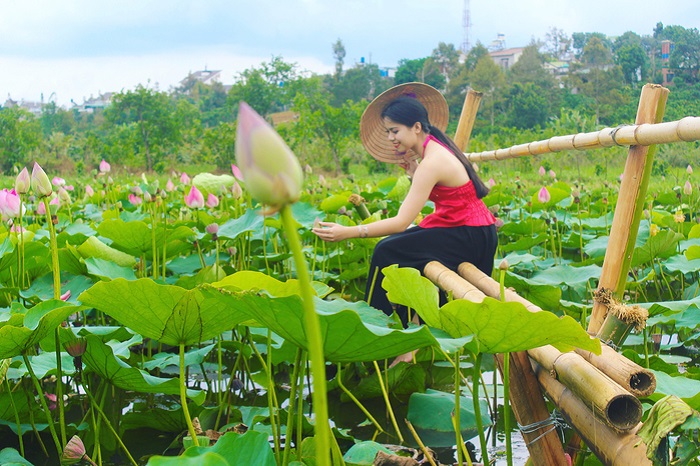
(194, 199)
(23, 182)
(543, 196)
(58, 181)
(51, 400)
(271, 171)
(134, 199)
(236, 172)
(184, 179)
(40, 181)
(54, 204)
(169, 186)
(542, 171)
(689, 169)
(89, 192)
(212, 201)
(9, 203)
(212, 228)
(105, 167)
(66, 296)
(688, 188)
(69, 187)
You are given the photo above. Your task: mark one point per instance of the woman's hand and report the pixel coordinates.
(329, 231)
(409, 165)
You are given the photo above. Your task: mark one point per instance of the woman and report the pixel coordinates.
(405, 125)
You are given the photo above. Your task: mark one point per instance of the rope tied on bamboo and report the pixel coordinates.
(613, 134)
(635, 315)
(554, 420)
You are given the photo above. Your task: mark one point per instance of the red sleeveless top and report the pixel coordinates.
(458, 206)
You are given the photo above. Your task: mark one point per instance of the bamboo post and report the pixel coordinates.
(611, 447)
(630, 204)
(611, 402)
(629, 375)
(466, 118)
(684, 130)
(526, 397)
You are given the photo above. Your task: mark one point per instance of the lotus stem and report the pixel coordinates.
(14, 409)
(427, 454)
(290, 410)
(506, 373)
(460, 443)
(477, 408)
(183, 397)
(44, 406)
(315, 341)
(385, 394)
(272, 398)
(356, 401)
(456, 417)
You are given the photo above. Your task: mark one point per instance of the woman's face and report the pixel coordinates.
(401, 136)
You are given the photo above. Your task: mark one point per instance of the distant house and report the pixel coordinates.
(34, 108)
(507, 57)
(204, 76)
(94, 104)
(666, 48)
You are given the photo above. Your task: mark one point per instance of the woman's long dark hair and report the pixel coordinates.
(409, 111)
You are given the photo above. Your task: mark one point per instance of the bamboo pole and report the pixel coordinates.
(629, 375)
(526, 397)
(611, 402)
(466, 118)
(611, 447)
(630, 204)
(640, 134)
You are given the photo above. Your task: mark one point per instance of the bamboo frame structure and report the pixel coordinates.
(629, 375)
(641, 134)
(467, 118)
(528, 402)
(610, 446)
(610, 402)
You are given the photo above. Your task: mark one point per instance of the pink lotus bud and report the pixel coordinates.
(23, 182)
(194, 199)
(543, 196)
(40, 181)
(63, 195)
(271, 171)
(69, 187)
(212, 228)
(65, 296)
(688, 188)
(51, 398)
(184, 179)
(236, 190)
(689, 169)
(212, 201)
(147, 197)
(542, 171)
(54, 205)
(58, 181)
(137, 190)
(134, 199)
(307, 169)
(89, 192)
(169, 186)
(492, 182)
(41, 208)
(105, 167)
(236, 172)
(74, 451)
(552, 174)
(322, 180)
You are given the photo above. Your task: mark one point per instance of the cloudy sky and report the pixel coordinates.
(72, 49)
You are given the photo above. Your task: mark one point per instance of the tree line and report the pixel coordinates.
(596, 81)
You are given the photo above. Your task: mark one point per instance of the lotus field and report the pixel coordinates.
(168, 321)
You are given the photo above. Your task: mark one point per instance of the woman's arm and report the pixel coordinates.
(423, 181)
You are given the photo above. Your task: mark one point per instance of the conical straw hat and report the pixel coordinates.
(372, 130)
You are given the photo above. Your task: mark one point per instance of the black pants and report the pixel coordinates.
(417, 246)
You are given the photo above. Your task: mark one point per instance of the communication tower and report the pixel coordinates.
(466, 24)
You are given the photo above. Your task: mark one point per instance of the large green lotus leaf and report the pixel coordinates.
(163, 360)
(304, 213)
(252, 280)
(402, 379)
(346, 337)
(502, 327)
(332, 203)
(432, 411)
(131, 237)
(567, 275)
(11, 457)
(660, 246)
(669, 307)
(526, 227)
(545, 296)
(108, 270)
(684, 388)
(166, 313)
(39, 321)
(688, 318)
(93, 247)
(407, 287)
(164, 420)
(693, 252)
(75, 233)
(214, 184)
(524, 243)
(207, 458)
(44, 365)
(251, 220)
(42, 287)
(363, 453)
(683, 263)
(250, 448)
(71, 261)
(100, 359)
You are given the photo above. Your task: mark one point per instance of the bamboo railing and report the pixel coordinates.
(683, 130)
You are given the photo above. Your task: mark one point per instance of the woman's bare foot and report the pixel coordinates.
(407, 357)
